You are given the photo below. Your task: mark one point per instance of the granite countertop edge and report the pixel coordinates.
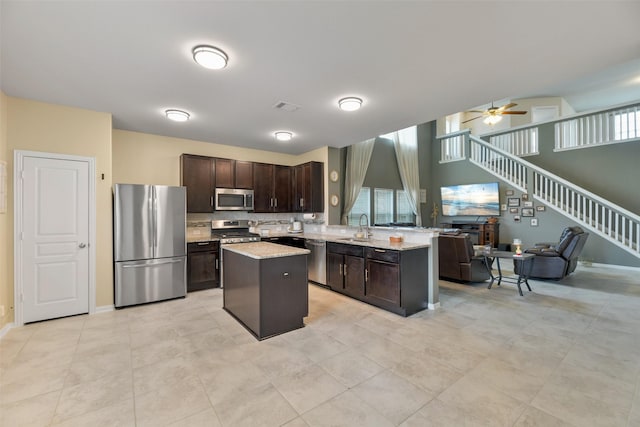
(264, 250)
(343, 239)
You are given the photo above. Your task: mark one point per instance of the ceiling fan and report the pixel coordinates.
(494, 114)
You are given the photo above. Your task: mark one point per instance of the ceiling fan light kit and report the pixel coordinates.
(494, 114)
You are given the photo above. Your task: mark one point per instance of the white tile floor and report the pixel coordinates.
(566, 354)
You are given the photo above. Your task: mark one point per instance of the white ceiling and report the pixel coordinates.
(411, 62)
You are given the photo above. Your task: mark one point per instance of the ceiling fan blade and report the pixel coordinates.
(476, 111)
(514, 112)
(505, 107)
(471, 119)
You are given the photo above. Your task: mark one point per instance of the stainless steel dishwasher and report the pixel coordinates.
(317, 264)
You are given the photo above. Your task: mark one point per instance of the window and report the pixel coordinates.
(361, 206)
(626, 125)
(383, 206)
(388, 206)
(404, 213)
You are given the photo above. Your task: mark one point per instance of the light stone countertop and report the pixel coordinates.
(264, 250)
(349, 240)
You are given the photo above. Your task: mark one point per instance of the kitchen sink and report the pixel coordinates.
(354, 239)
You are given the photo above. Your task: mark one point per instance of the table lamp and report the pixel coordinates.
(517, 243)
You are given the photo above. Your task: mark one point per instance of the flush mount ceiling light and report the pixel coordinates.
(350, 103)
(210, 57)
(282, 135)
(177, 115)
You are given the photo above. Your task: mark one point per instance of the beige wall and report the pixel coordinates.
(141, 158)
(36, 126)
(6, 244)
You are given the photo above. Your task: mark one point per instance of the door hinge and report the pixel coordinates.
(21, 298)
(22, 174)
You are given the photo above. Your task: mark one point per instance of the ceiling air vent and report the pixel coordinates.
(286, 106)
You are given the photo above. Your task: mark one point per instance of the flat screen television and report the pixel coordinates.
(471, 200)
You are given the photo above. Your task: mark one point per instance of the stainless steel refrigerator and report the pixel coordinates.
(150, 248)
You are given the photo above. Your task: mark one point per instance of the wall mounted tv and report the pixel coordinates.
(471, 200)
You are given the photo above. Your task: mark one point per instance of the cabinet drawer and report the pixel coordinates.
(339, 248)
(383, 255)
(202, 246)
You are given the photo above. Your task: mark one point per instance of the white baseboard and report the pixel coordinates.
(433, 306)
(614, 266)
(104, 309)
(5, 329)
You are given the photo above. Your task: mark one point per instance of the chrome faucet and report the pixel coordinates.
(365, 232)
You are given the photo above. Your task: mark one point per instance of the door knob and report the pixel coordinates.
(82, 246)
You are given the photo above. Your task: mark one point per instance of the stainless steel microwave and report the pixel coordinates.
(233, 199)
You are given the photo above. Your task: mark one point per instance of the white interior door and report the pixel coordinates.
(54, 249)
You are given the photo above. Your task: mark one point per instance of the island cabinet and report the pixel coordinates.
(265, 287)
(197, 175)
(345, 269)
(233, 174)
(395, 280)
(272, 188)
(309, 187)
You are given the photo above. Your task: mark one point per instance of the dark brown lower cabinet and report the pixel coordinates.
(394, 280)
(203, 266)
(345, 269)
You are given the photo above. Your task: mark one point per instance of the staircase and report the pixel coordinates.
(614, 223)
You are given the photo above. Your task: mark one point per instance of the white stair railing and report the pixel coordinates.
(521, 142)
(601, 128)
(614, 223)
(453, 146)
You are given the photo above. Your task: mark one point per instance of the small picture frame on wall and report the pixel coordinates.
(528, 204)
(527, 212)
(516, 218)
(509, 193)
(503, 207)
(513, 201)
(534, 222)
(513, 210)
(525, 197)
(541, 208)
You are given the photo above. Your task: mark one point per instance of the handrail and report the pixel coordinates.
(605, 218)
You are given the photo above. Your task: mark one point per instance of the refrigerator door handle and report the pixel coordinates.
(154, 264)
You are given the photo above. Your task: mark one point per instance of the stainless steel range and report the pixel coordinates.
(231, 231)
(235, 231)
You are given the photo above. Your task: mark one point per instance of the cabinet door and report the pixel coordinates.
(353, 271)
(309, 187)
(203, 271)
(262, 187)
(244, 175)
(225, 172)
(383, 282)
(197, 177)
(334, 271)
(282, 189)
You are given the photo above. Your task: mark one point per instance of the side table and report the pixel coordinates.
(526, 264)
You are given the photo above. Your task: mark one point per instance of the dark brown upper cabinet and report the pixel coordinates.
(272, 188)
(234, 174)
(197, 176)
(309, 187)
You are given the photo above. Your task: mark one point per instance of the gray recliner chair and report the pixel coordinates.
(557, 260)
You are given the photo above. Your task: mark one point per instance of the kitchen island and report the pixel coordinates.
(265, 287)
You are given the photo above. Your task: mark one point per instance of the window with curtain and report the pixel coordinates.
(388, 206)
(361, 206)
(404, 213)
(383, 206)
